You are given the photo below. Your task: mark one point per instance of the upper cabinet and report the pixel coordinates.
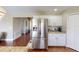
(55, 21)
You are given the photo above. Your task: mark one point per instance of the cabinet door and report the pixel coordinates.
(51, 41)
(55, 21)
(60, 40)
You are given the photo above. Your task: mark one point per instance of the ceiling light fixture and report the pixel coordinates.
(55, 9)
(2, 13)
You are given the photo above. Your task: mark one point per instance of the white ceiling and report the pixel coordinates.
(36, 9)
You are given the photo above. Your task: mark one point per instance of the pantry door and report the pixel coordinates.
(73, 31)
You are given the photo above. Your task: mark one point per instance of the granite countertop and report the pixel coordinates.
(56, 32)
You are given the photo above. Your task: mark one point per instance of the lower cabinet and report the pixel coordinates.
(51, 42)
(60, 42)
(56, 40)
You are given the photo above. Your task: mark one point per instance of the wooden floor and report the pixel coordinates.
(23, 41)
(53, 49)
(3, 43)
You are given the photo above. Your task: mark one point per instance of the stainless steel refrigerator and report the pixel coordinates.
(39, 33)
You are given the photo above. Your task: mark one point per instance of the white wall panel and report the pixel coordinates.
(73, 31)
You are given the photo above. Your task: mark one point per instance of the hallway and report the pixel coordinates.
(22, 41)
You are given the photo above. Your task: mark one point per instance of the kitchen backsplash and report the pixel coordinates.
(55, 28)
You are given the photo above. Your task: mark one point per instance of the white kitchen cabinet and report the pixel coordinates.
(51, 42)
(55, 21)
(60, 41)
(56, 39)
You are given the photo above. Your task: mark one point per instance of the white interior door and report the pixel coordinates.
(73, 31)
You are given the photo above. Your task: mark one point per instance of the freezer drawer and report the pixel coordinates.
(35, 43)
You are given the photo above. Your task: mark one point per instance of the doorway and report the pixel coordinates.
(21, 30)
